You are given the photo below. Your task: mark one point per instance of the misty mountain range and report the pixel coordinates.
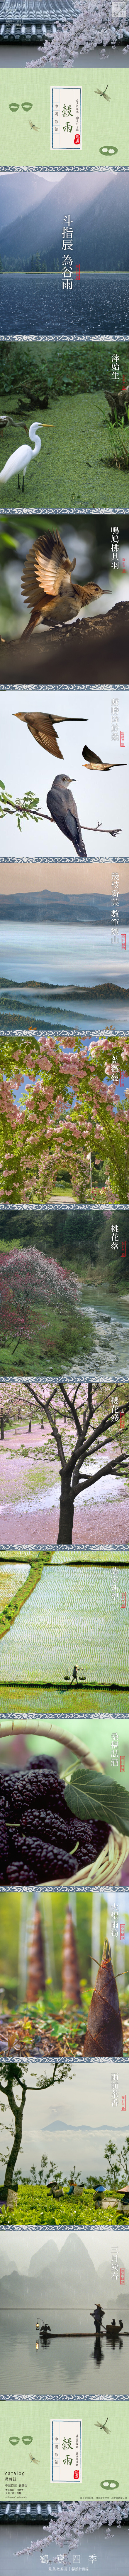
(99, 214)
(52, 2286)
(57, 907)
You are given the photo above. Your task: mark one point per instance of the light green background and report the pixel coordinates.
(25, 138)
(32, 2476)
(58, 1738)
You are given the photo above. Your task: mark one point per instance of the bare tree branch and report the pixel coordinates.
(72, 1481)
(104, 1425)
(70, 1403)
(47, 1408)
(111, 1465)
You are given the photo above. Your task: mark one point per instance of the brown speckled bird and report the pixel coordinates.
(43, 728)
(47, 579)
(47, 571)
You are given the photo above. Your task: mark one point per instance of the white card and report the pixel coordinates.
(66, 118)
(66, 2450)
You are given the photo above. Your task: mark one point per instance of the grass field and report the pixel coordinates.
(75, 468)
(59, 1626)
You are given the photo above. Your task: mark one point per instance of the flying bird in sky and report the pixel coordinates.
(61, 804)
(92, 760)
(43, 728)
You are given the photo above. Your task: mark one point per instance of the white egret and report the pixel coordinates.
(22, 456)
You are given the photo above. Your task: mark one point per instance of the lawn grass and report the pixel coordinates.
(75, 469)
(48, 1339)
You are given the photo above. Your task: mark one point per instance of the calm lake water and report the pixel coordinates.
(66, 2367)
(37, 305)
(61, 953)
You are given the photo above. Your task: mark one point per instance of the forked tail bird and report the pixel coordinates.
(92, 759)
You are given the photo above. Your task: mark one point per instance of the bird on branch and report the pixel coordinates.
(61, 804)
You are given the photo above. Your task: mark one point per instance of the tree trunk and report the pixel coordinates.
(18, 2109)
(2, 1427)
(66, 1519)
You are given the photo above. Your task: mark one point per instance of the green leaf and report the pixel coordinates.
(88, 1794)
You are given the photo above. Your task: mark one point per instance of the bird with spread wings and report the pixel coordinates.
(43, 728)
(46, 579)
